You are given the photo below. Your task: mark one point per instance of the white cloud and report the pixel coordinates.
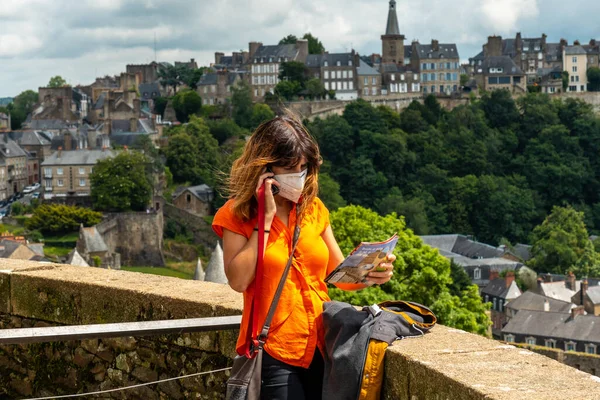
(13, 44)
(503, 15)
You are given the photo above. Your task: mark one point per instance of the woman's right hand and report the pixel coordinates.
(270, 206)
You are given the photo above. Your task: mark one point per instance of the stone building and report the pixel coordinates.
(500, 72)
(5, 122)
(397, 79)
(575, 62)
(265, 62)
(337, 72)
(195, 200)
(392, 41)
(438, 65)
(369, 80)
(67, 173)
(146, 73)
(499, 292)
(15, 161)
(94, 251)
(588, 297)
(216, 88)
(593, 52)
(231, 63)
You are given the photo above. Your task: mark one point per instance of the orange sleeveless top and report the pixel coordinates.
(294, 333)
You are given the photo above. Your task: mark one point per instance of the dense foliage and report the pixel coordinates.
(59, 218)
(122, 183)
(421, 274)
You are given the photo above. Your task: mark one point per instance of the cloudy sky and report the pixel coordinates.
(82, 39)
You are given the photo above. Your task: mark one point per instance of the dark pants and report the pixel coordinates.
(281, 381)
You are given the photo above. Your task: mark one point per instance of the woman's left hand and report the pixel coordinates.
(383, 272)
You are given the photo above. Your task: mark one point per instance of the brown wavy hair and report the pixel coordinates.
(282, 142)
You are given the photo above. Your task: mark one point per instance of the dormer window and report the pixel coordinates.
(496, 70)
(325, 64)
(537, 48)
(525, 48)
(339, 63)
(270, 59)
(350, 63)
(477, 273)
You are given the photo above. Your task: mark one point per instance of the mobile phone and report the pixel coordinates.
(274, 188)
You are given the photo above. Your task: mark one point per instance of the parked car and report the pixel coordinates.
(36, 186)
(28, 189)
(36, 195)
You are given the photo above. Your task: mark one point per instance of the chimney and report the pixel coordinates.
(563, 44)
(137, 107)
(68, 142)
(435, 45)
(302, 46)
(583, 291)
(218, 57)
(494, 46)
(544, 37)
(593, 42)
(493, 275)
(570, 281)
(546, 305)
(133, 125)
(510, 277)
(59, 151)
(576, 43)
(253, 47)
(575, 311)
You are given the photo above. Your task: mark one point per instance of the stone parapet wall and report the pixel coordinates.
(444, 364)
(202, 230)
(589, 363)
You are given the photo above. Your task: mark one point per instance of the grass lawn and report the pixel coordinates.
(57, 251)
(159, 271)
(61, 238)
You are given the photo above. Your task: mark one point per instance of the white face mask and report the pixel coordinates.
(291, 185)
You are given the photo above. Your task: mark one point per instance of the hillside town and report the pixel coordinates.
(74, 146)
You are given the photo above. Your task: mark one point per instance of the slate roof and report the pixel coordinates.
(282, 51)
(123, 125)
(506, 63)
(215, 272)
(147, 90)
(574, 50)
(365, 69)
(100, 102)
(498, 288)
(93, 241)
(197, 191)
(10, 149)
(583, 328)
(76, 259)
(535, 302)
(523, 251)
(213, 78)
(445, 50)
(8, 247)
(48, 124)
(392, 22)
(34, 138)
(558, 290)
(593, 293)
(78, 157)
(462, 245)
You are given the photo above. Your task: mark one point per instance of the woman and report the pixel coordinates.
(282, 154)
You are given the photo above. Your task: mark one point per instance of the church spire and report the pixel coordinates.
(392, 22)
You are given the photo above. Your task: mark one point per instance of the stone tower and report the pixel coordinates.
(392, 41)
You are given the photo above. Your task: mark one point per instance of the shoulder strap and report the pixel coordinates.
(259, 262)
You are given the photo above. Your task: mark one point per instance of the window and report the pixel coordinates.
(540, 56)
(590, 348)
(448, 76)
(570, 346)
(504, 80)
(255, 92)
(448, 66)
(572, 78)
(48, 183)
(415, 87)
(574, 68)
(432, 65)
(350, 74)
(339, 63)
(326, 85)
(366, 81)
(442, 65)
(374, 80)
(345, 74)
(424, 66)
(339, 85)
(326, 74)
(61, 182)
(424, 89)
(552, 90)
(351, 85)
(333, 85)
(325, 64)
(493, 80)
(530, 341)
(393, 77)
(81, 171)
(425, 76)
(525, 48)
(366, 91)
(47, 171)
(374, 91)
(345, 85)
(349, 63)
(82, 182)
(574, 59)
(59, 171)
(487, 298)
(576, 78)
(496, 70)
(550, 343)
(401, 77)
(455, 76)
(494, 304)
(205, 89)
(477, 273)
(572, 88)
(509, 338)
(432, 77)
(433, 89)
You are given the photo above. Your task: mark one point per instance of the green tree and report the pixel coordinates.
(329, 192)
(260, 113)
(56, 82)
(315, 88)
(60, 218)
(241, 102)
(192, 76)
(173, 76)
(293, 71)
(561, 244)
(160, 105)
(421, 274)
(593, 76)
(122, 183)
(361, 115)
(21, 107)
(565, 80)
(314, 44)
(288, 89)
(289, 39)
(186, 103)
(464, 79)
(224, 129)
(500, 108)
